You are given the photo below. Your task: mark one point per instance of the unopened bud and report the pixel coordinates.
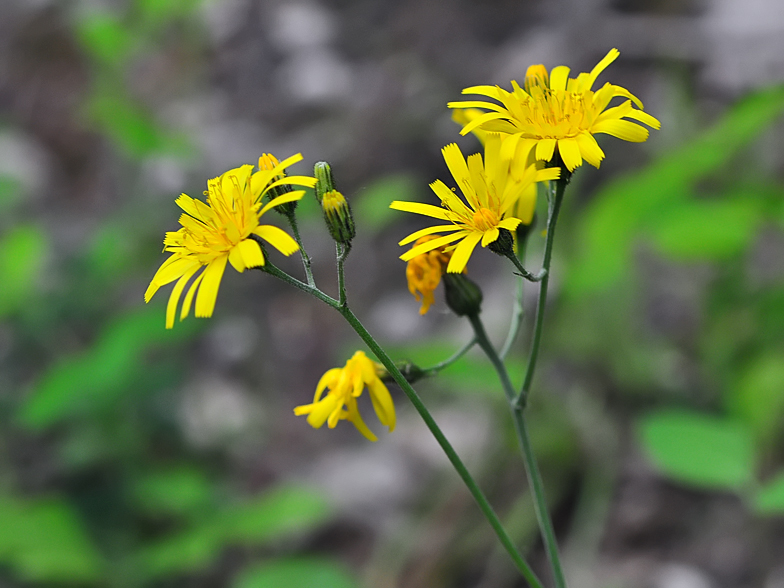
(268, 162)
(337, 215)
(463, 296)
(504, 245)
(324, 180)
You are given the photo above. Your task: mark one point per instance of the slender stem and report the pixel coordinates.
(292, 218)
(457, 463)
(433, 370)
(484, 342)
(518, 310)
(392, 369)
(554, 206)
(524, 272)
(273, 270)
(531, 467)
(342, 253)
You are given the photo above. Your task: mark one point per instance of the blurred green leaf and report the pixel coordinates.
(178, 491)
(758, 398)
(284, 510)
(22, 254)
(625, 205)
(296, 573)
(94, 379)
(105, 38)
(371, 206)
(162, 11)
(699, 449)
(769, 499)
(713, 230)
(44, 541)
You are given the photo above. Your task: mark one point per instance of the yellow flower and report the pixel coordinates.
(556, 110)
(222, 231)
(345, 386)
(491, 189)
(424, 272)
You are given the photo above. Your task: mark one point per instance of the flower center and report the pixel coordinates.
(485, 219)
(558, 114)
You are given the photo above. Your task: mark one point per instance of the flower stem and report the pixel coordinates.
(292, 218)
(518, 310)
(554, 206)
(342, 253)
(433, 370)
(457, 463)
(531, 467)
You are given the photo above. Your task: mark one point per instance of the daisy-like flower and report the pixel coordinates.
(344, 386)
(222, 231)
(554, 110)
(424, 272)
(490, 188)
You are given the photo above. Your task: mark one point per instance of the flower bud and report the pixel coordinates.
(463, 296)
(324, 180)
(268, 161)
(337, 215)
(504, 245)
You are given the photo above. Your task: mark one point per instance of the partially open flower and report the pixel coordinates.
(344, 386)
(424, 272)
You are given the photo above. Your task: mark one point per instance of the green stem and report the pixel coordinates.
(524, 272)
(273, 270)
(433, 370)
(531, 466)
(554, 206)
(518, 310)
(457, 463)
(342, 253)
(292, 218)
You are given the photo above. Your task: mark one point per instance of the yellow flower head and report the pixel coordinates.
(345, 386)
(222, 231)
(556, 110)
(490, 188)
(424, 272)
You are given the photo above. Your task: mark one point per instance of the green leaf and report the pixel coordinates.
(283, 511)
(698, 449)
(179, 491)
(712, 230)
(192, 550)
(371, 206)
(105, 38)
(44, 541)
(769, 499)
(22, 255)
(97, 377)
(297, 573)
(758, 398)
(611, 224)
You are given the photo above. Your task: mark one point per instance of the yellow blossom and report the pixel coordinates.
(221, 231)
(553, 110)
(344, 386)
(490, 188)
(424, 272)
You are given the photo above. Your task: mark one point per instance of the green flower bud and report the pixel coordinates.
(269, 161)
(324, 180)
(463, 296)
(504, 245)
(337, 214)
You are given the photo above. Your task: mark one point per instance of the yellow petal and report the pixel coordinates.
(545, 149)
(251, 253)
(174, 297)
(278, 238)
(428, 231)
(432, 244)
(382, 403)
(288, 197)
(623, 129)
(356, 419)
(208, 292)
(462, 253)
(611, 56)
(590, 149)
(570, 153)
(419, 208)
(186, 304)
(490, 236)
(558, 77)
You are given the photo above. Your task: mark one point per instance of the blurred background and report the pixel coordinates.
(131, 456)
